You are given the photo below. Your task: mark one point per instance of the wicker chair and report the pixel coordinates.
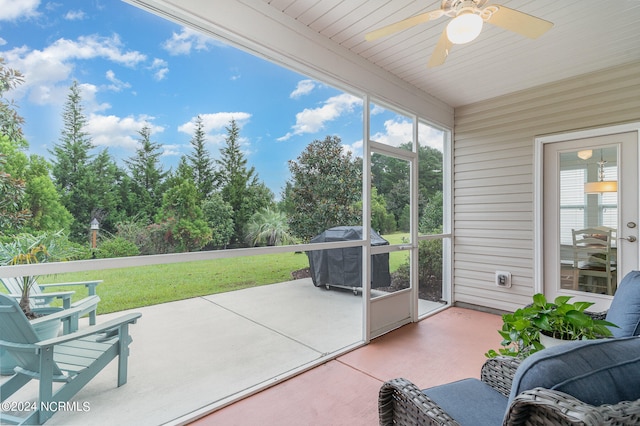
(403, 403)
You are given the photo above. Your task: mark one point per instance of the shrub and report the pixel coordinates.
(117, 247)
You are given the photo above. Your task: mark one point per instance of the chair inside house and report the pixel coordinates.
(39, 298)
(588, 382)
(594, 260)
(73, 360)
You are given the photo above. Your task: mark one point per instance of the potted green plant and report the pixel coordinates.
(26, 249)
(522, 330)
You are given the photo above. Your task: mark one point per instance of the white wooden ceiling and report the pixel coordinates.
(588, 35)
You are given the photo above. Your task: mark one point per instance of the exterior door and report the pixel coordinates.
(590, 215)
(392, 305)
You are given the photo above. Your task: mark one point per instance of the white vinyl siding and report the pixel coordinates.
(493, 179)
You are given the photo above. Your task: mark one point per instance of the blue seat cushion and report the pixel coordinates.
(470, 402)
(602, 371)
(625, 307)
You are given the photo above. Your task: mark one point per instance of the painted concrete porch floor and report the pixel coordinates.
(190, 354)
(442, 348)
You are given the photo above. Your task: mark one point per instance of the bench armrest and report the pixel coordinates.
(46, 298)
(94, 329)
(91, 285)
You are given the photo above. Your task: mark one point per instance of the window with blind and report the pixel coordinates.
(575, 205)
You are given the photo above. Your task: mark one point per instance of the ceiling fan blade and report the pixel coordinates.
(404, 24)
(516, 21)
(441, 51)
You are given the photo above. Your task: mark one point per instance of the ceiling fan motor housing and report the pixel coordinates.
(452, 8)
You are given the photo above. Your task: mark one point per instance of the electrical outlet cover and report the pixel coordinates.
(503, 279)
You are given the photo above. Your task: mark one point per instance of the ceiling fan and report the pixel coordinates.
(468, 17)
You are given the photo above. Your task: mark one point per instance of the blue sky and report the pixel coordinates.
(135, 68)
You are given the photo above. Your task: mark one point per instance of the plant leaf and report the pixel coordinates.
(539, 299)
(562, 300)
(579, 319)
(582, 306)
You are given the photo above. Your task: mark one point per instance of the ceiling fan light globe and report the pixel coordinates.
(464, 28)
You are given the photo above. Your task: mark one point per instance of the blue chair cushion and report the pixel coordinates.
(625, 307)
(602, 371)
(470, 402)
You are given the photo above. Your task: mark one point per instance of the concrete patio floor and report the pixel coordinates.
(193, 355)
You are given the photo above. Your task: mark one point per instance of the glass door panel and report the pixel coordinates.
(589, 219)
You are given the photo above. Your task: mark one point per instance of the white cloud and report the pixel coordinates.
(2, 41)
(215, 124)
(171, 150)
(355, 148)
(122, 132)
(116, 84)
(75, 15)
(160, 69)
(399, 131)
(15, 9)
(161, 74)
(377, 110)
(89, 102)
(396, 133)
(184, 42)
(304, 87)
(235, 74)
(313, 120)
(45, 70)
(430, 136)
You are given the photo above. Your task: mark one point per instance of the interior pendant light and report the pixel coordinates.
(464, 28)
(601, 185)
(585, 155)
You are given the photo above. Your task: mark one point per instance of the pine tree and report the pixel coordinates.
(237, 183)
(201, 162)
(71, 164)
(147, 176)
(72, 153)
(181, 213)
(105, 197)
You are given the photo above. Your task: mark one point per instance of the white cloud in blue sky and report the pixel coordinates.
(74, 15)
(114, 131)
(396, 132)
(313, 120)
(304, 87)
(135, 69)
(116, 85)
(46, 68)
(18, 9)
(214, 125)
(187, 40)
(160, 69)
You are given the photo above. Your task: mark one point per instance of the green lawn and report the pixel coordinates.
(133, 287)
(397, 258)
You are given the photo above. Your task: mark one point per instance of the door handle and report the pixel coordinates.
(630, 238)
